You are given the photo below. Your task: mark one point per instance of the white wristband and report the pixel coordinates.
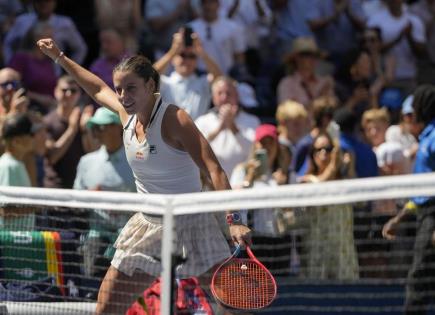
(58, 57)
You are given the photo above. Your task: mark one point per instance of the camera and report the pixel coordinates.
(188, 31)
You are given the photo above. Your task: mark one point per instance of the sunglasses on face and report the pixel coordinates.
(14, 85)
(188, 56)
(327, 149)
(71, 90)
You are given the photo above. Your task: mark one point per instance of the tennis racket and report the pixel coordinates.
(243, 283)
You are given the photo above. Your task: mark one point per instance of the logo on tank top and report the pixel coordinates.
(153, 149)
(139, 156)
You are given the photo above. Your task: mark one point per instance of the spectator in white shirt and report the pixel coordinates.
(254, 16)
(184, 86)
(229, 130)
(223, 39)
(403, 37)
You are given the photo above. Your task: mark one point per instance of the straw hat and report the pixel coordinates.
(304, 45)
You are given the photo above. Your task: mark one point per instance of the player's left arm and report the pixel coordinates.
(181, 132)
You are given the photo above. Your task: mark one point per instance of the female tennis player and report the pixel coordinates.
(166, 153)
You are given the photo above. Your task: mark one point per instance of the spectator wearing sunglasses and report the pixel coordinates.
(66, 127)
(329, 241)
(184, 86)
(12, 95)
(304, 85)
(105, 169)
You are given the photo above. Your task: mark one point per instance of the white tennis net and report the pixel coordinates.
(372, 282)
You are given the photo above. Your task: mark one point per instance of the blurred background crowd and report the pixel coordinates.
(286, 91)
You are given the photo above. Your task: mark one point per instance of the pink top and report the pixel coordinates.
(38, 75)
(292, 88)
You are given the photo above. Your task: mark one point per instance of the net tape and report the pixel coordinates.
(315, 194)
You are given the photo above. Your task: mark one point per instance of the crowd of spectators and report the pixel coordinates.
(323, 86)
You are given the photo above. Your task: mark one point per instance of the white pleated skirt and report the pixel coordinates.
(198, 237)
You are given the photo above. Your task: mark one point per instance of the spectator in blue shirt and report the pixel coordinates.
(420, 285)
(365, 159)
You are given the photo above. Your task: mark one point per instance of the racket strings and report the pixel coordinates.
(244, 285)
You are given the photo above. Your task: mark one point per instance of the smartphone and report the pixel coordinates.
(261, 156)
(188, 41)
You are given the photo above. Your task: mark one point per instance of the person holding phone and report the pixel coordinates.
(329, 242)
(184, 86)
(167, 154)
(267, 166)
(13, 97)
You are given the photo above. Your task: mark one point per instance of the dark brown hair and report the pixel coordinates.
(313, 168)
(424, 103)
(142, 67)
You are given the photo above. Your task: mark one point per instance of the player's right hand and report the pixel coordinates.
(48, 47)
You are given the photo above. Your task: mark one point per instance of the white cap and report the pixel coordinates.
(407, 105)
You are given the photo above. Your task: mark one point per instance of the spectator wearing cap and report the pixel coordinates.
(407, 131)
(105, 169)
(184, 86)
(304, 85)
(265, 167)
(18, 141)
(228, 128)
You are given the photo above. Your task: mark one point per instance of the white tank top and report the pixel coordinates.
(157, 167)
